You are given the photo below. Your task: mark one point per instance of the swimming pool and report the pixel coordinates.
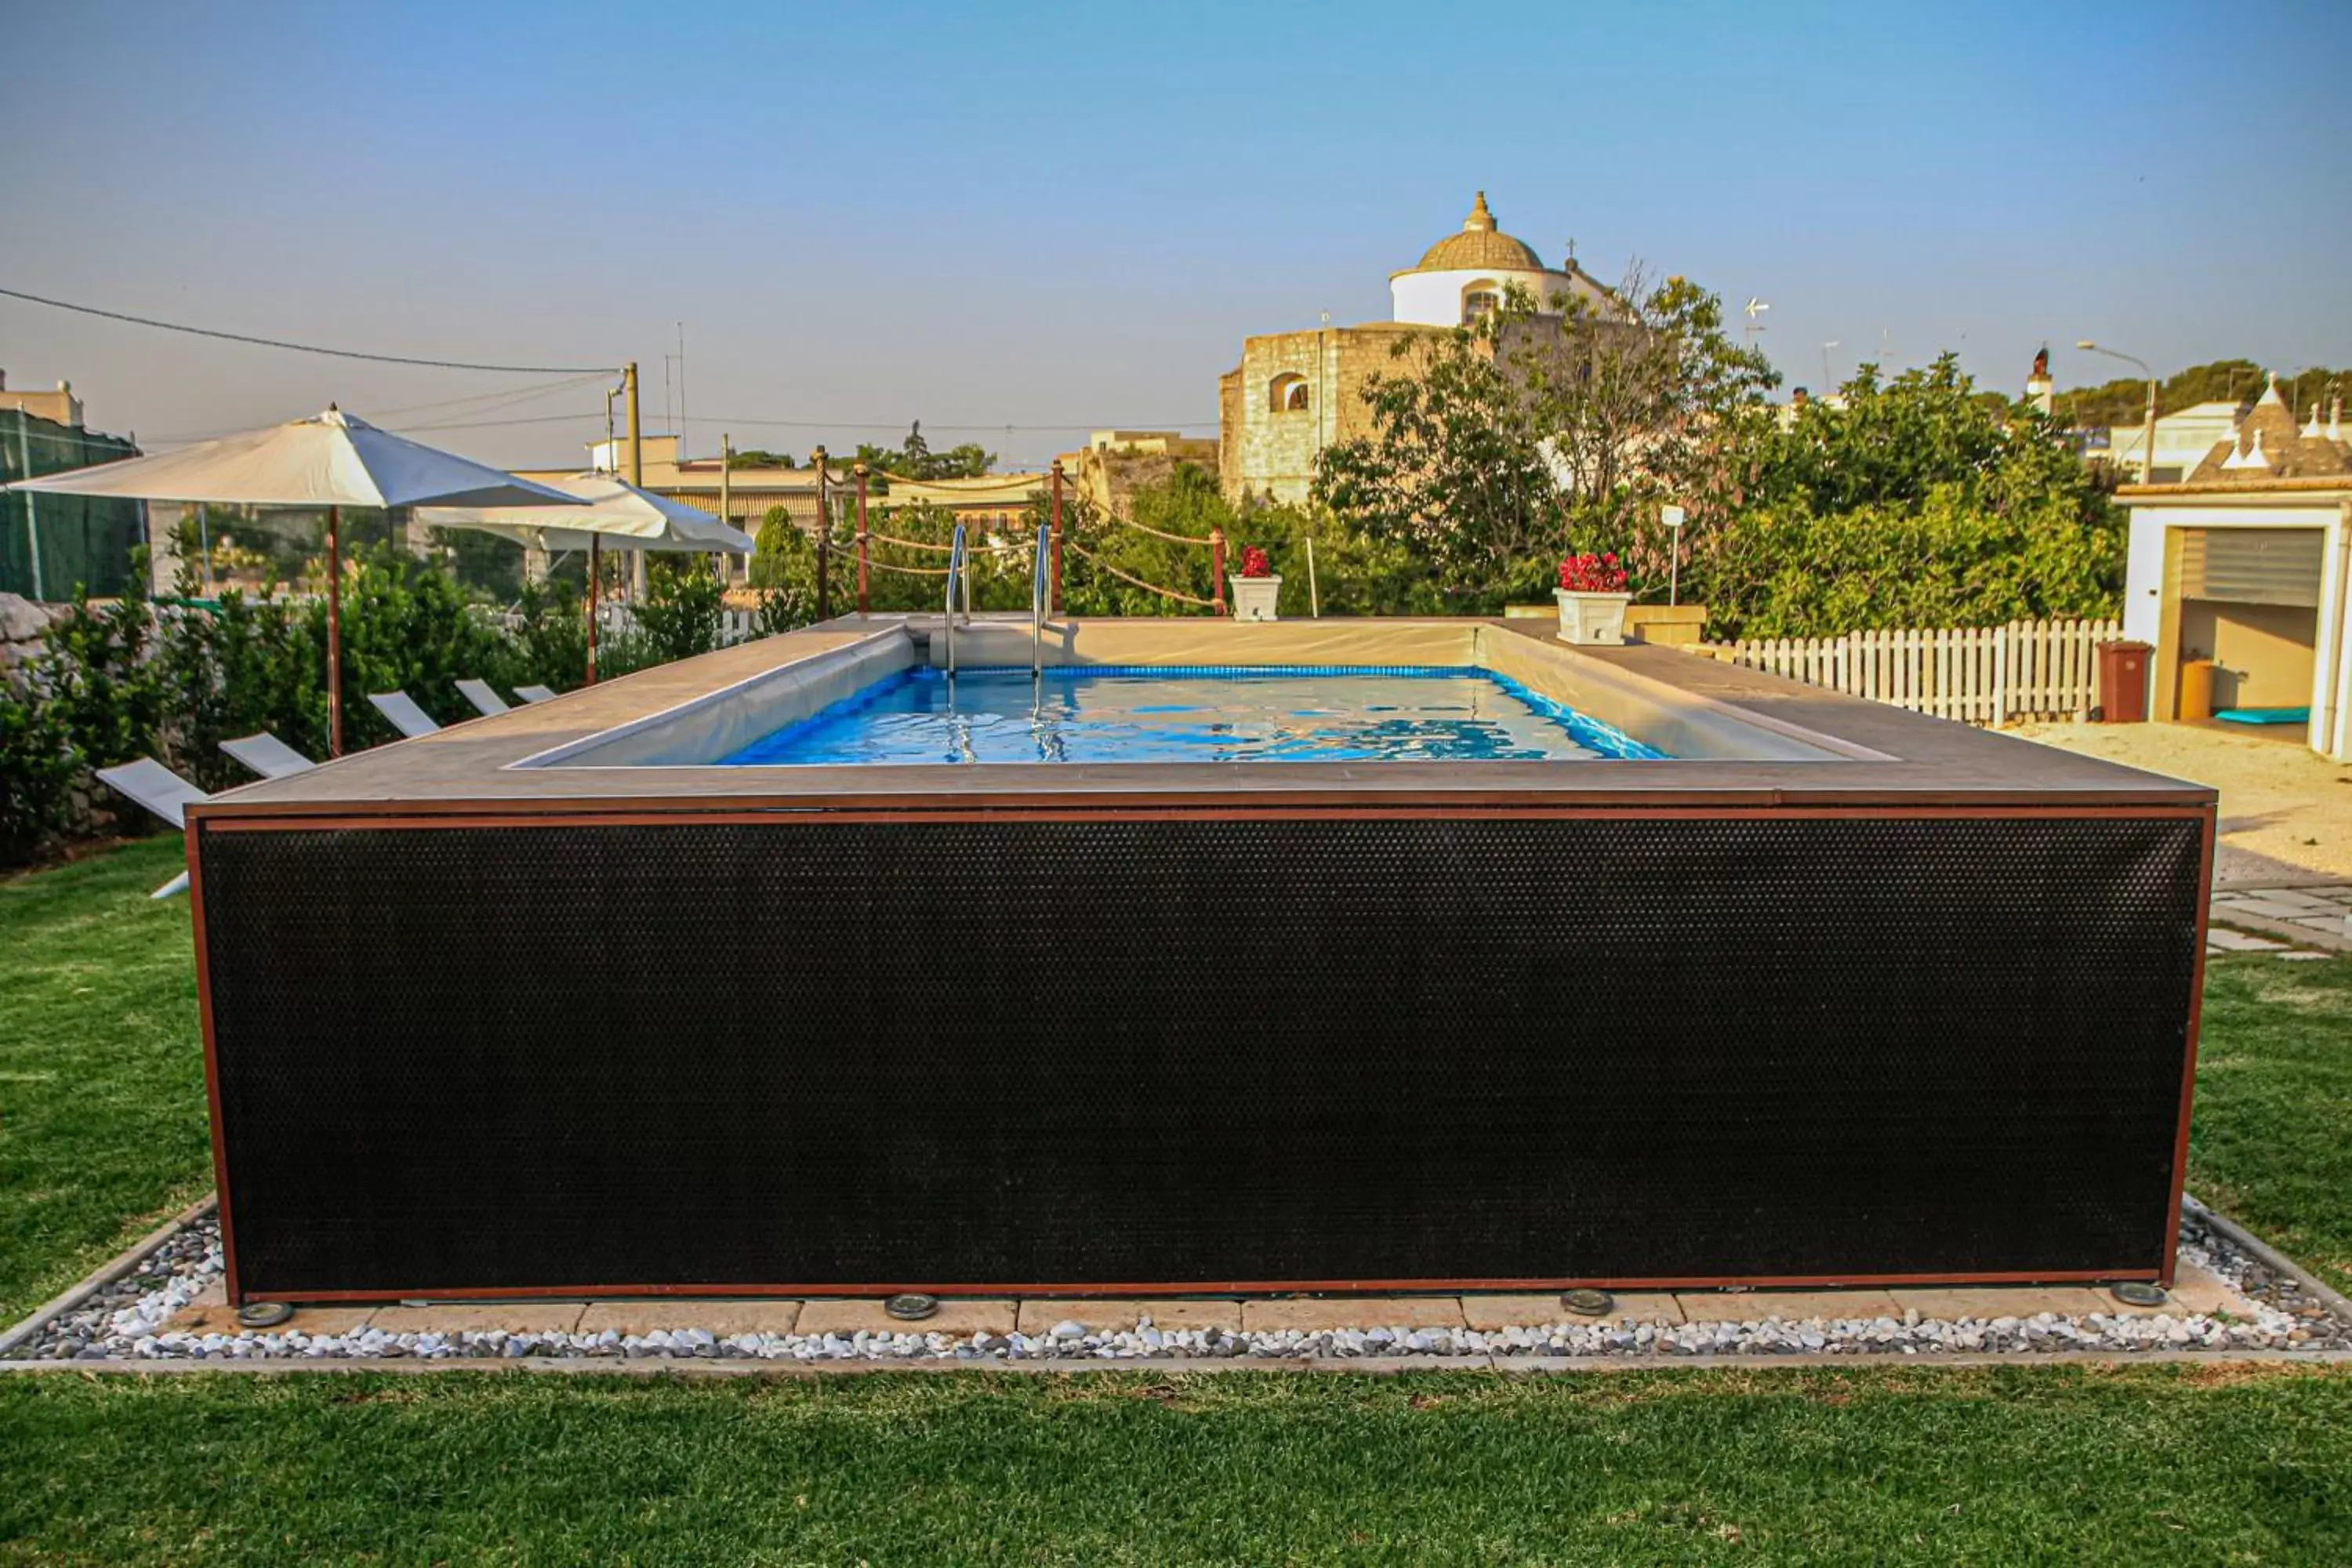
(1195, 714)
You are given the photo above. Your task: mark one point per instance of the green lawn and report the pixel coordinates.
(2146, 1464)
(2271, 1144)
(103, 1130)
(103, 1127)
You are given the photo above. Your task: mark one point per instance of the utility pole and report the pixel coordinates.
(636, 465)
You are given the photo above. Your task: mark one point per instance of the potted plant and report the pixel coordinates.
(1592, 599)
(1255, 588)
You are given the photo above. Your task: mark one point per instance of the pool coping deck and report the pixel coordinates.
(1896, 758)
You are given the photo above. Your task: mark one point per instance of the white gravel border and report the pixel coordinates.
(123, 1327)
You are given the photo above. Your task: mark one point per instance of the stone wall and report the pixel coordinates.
(21, 625)
(1270, 453)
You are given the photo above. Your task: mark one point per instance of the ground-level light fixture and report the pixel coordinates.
(2140, 1293)
(911, 1307)
(1588, 1303)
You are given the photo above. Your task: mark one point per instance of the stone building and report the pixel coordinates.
(1294, 394)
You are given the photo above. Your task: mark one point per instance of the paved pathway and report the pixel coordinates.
(2292, 922)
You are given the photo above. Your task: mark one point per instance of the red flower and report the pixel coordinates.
(1254, 563)
(1591, 574)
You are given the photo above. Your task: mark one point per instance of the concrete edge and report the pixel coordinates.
(2270, 1256)
(2285, 930)
(693, 1368)
(107, 1273)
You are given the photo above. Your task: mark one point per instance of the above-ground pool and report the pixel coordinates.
(1321, 956)
(1289, 713)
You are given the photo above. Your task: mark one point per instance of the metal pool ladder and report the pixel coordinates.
(1041, 600)
(959, 571)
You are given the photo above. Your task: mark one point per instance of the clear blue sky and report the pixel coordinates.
(1027, 214)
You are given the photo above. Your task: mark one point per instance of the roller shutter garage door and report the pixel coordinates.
(2251, 566)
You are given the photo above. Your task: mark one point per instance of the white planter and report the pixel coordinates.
(1593, 619)
(1253, 597)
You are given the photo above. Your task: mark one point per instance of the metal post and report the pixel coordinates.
(1217, 569)
(823, 538)
(334, 634)
(2147, 451)
(1057, 525)
(1314, 599)
(594, 569)
(32, 522)
(727, 490)
(863, 599)
(637, 463)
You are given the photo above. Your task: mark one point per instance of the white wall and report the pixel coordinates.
(2331, 668)
(1434, 299)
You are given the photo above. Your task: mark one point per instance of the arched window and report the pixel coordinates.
(1480, 298)
(1286, 393)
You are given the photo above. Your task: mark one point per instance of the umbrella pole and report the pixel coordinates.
(334, 636)
(592, 586)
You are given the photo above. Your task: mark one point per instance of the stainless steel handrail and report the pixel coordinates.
(1041, 600)
(956, 573)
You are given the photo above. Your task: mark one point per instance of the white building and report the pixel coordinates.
(2182, 440)
(2248, 563)
(1465, 274)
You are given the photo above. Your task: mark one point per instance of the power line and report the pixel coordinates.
(306, 348)
(902, 424)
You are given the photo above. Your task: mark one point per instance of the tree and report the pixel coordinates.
(1522, 435)
(914, 459)
(1919, 502)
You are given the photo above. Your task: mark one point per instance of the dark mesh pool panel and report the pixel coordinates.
(1073, 1054)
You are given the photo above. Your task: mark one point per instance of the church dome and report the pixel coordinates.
(1479, 247)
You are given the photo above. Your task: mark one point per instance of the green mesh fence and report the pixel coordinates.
(52, 545)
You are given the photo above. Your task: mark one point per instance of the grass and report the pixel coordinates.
(102, 1131)
(2271, 1144)
(2152, 1463)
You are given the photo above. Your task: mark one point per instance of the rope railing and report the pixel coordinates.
(910, 571)
(1138, 581)
(1160, 533)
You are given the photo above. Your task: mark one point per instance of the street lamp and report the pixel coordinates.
(2148, 442)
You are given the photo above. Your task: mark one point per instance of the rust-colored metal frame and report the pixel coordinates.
(422, 814)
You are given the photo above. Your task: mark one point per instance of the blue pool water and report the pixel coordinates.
(1127, 714)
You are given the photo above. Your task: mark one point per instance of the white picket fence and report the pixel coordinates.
(734, 626)
(1980, 675)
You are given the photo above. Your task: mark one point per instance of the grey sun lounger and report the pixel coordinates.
(487, 703)
(268, 755)
(152, 784)
(406, 717)
(534, 693)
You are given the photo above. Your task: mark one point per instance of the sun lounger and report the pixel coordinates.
(406, 717)
(152, 784)
(534, 693)
(486, 701)
(268, 755)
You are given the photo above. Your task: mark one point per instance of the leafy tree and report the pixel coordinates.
(1519, 436)
(1917, 503)
(2123, 400)
(681, 614)
(914, 459)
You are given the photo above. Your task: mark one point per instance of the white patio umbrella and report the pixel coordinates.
(602, 507)
(332, 460)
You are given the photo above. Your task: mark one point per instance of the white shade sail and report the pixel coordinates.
(618, 512)
(328, 460)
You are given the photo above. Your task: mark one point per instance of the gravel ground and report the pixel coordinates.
(123, 1321)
